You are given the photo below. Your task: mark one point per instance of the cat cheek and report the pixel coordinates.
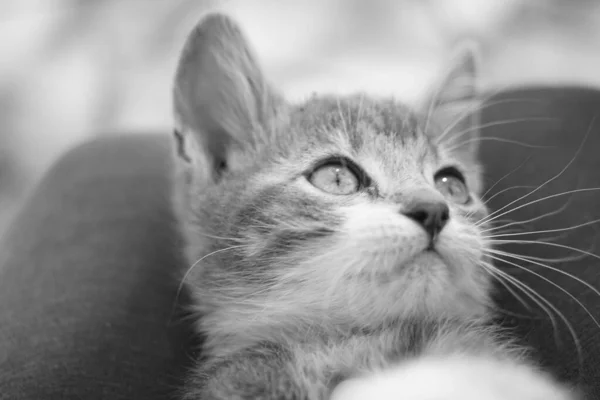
(370, 227)
(460, 244)
(476, 212)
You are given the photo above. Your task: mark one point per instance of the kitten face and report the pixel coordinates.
(340, 213)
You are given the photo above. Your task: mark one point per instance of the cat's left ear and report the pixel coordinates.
(223, 104)
(452, 108)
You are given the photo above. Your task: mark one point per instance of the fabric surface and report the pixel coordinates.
(556, 121)
(86, 291)
(86, 285)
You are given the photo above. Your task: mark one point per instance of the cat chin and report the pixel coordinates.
(430, 284)
(429, 306)
(425, 261)
(432, 295)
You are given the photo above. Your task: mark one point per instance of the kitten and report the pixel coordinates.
(336, 246)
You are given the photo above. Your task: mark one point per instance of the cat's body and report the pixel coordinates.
(332, 239)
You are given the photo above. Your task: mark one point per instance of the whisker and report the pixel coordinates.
(506, 176)
(189, 270)
(538, 299)
(499, 123)
(560, 271)
(497, 139)
(492, 271)
(555, 260)
(569, 326)
(506, 190)
(565, 320)
(504, 227)
(554, 238)
(480, 105)
(492, 215)
(228, 239)
(547, 230)
(506, 221)
(539, 217)
(490, 218)
(502, 230)
(341, 114)
(562, 246)
(531, 293)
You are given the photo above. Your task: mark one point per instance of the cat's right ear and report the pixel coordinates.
(454, 103)
(221, 100)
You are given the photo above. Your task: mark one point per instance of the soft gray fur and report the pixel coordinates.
(298, 289)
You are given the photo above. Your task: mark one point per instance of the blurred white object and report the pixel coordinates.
(457, 377)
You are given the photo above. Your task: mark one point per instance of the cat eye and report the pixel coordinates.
(451, 183)
(339, 177)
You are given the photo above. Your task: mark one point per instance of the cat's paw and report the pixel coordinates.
(453, 378)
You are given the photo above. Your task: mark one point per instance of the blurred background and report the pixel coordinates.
(74, 69)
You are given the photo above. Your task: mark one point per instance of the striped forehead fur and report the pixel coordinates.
(351, 120)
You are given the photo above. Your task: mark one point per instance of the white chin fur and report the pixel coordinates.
(383, 252)
(452, 378)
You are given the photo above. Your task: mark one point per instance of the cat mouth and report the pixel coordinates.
(429, 257)
(430, 253)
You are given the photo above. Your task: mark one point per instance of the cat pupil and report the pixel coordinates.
(338, 179)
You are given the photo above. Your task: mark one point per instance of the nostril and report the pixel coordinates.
(432, 216)
(445, 215)
(420, 216)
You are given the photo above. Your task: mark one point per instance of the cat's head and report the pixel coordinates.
(340, 213)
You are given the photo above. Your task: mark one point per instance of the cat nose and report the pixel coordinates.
(432, 215)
